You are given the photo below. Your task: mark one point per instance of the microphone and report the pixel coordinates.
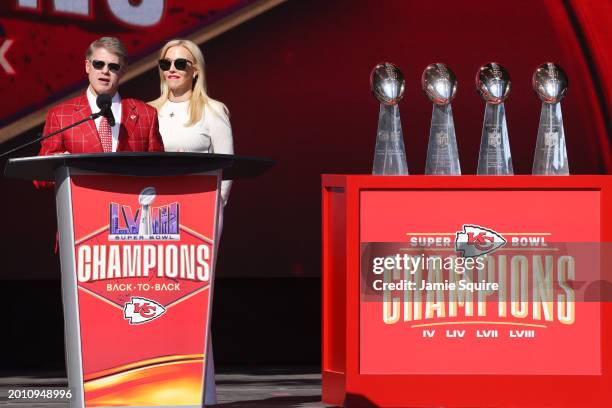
(104, 102)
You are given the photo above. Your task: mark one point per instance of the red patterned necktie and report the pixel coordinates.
(106, 136)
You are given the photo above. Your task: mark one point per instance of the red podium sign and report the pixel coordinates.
(138, 244)
(450, 291)
(144, 260)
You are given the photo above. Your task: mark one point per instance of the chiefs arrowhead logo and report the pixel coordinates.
(475, 240)
(141, 310)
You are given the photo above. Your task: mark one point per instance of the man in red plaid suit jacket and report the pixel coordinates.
(136, 128)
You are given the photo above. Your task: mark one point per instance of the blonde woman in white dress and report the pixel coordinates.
(191, 121)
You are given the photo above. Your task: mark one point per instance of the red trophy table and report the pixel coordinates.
(539, 335)
(138, 244)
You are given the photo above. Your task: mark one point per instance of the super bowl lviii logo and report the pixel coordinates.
(148, 223)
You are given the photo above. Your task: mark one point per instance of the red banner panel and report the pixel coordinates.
(510, 298)
(144, 257)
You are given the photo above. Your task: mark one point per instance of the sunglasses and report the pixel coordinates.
(179, 63)
(112, 66)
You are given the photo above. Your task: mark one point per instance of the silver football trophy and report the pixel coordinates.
(387, 83)
(493, 84)
(440, 85)
(145, 199)
(550, 83)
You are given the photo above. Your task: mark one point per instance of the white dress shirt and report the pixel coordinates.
(115, 108)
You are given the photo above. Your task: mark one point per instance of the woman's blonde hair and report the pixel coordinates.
(199, 98)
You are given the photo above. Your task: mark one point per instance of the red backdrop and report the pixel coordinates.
(43, 41)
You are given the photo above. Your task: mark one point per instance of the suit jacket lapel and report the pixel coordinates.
(129, 118)
(89, 131)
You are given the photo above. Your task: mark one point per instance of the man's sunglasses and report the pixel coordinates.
(179, 63)
(112, 66)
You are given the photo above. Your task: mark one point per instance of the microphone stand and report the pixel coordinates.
(93, 116)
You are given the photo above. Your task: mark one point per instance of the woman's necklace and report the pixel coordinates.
(171, 114)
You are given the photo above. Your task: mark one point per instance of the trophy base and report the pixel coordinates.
(389, 153)
(550, 157)
(495, 158)
(442, 152)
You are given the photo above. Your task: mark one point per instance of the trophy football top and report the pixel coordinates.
(493, 83)
(439, 83)
(147, 196)
(387, 83)
(550, 82)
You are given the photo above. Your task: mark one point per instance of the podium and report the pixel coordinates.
(138, 237)
(542, 338)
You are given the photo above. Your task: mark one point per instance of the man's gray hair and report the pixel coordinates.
(110, 44)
